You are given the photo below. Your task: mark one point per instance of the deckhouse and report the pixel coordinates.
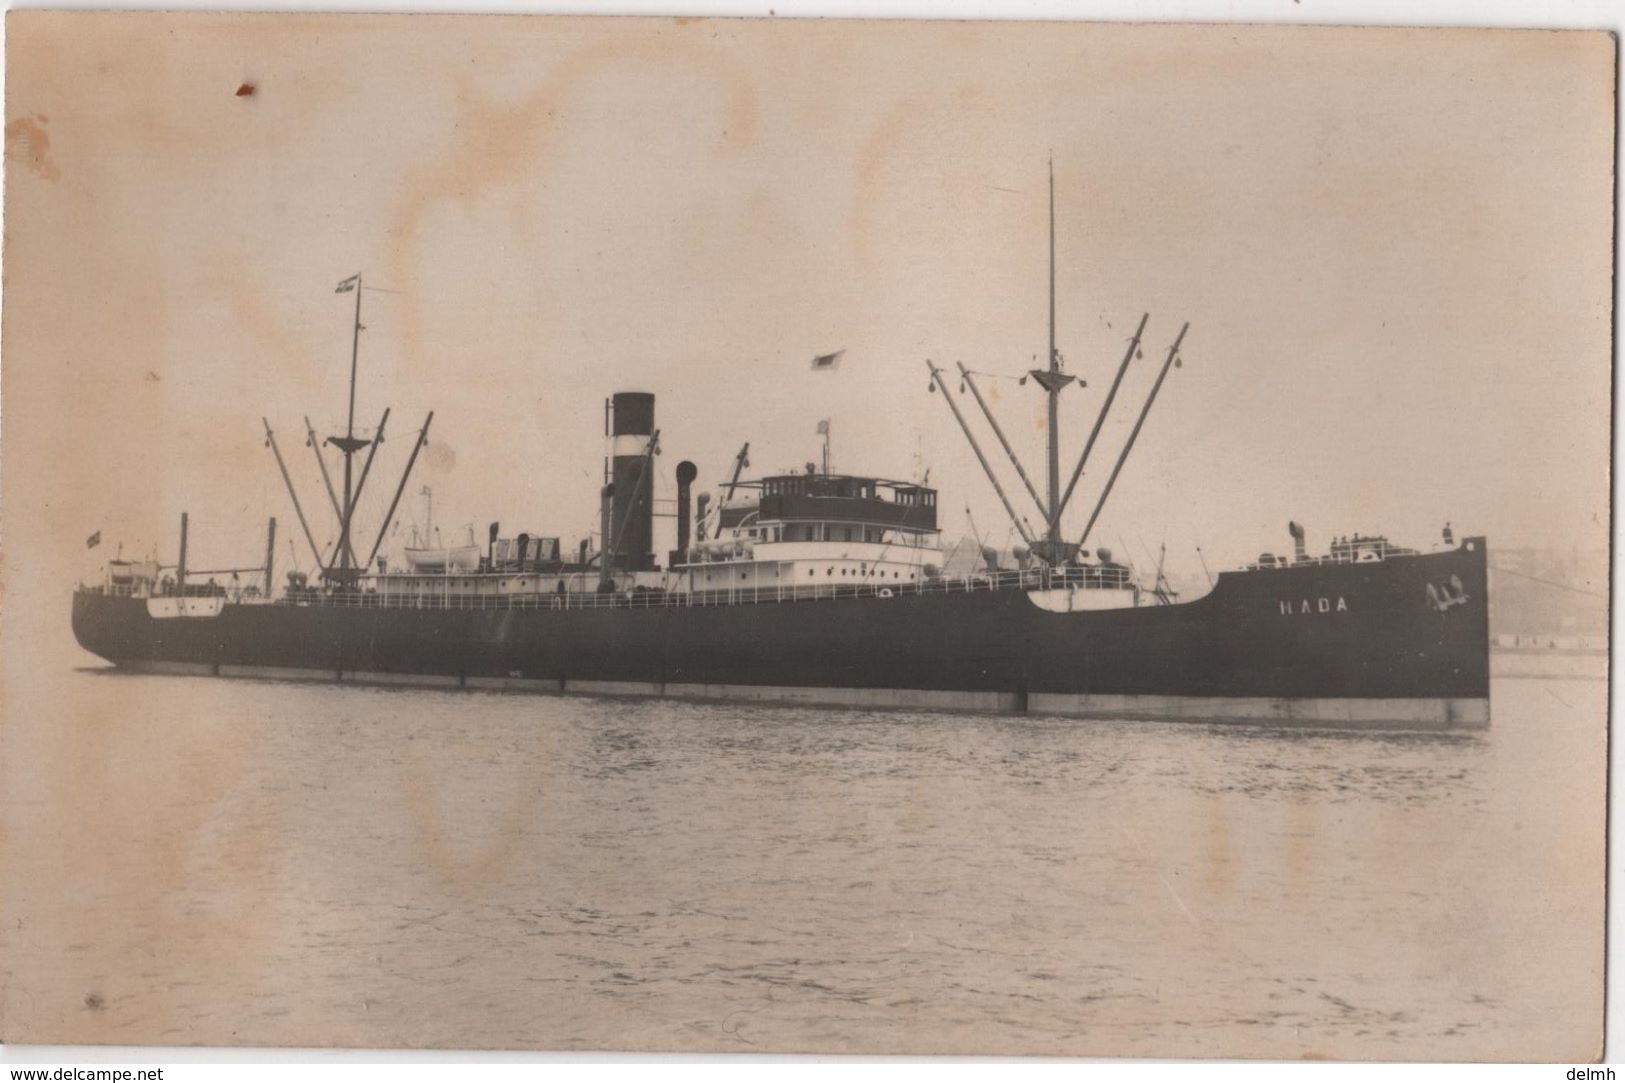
(808, 531)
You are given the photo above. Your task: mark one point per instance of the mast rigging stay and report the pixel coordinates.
(1173, 352)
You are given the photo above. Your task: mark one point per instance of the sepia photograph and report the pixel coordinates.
(805, 536)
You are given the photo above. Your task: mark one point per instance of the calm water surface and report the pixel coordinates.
(235, 862)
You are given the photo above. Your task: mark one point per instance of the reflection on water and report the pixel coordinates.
(258, 863)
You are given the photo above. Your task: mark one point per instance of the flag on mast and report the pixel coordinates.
(348, 284)
(823, 427)
(828, 360)
(94, 540)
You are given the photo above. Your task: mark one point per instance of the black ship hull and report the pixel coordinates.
(1398, 642)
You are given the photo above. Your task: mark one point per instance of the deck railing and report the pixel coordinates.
(394, 596)
(391, 598)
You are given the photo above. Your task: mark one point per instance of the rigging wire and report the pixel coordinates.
(1548, 582)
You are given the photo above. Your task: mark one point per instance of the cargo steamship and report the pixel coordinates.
(825, 588)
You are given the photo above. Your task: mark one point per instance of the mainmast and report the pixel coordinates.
(1052, 380)
(1051, 548)
(1053, 503)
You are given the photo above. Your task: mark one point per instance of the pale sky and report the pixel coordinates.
(1393, 248)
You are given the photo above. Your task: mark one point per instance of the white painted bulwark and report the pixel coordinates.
(1084, 599)
(174, 608)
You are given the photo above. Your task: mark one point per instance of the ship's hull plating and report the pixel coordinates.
(1401, 642)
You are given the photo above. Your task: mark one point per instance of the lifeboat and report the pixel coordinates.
(455, 558)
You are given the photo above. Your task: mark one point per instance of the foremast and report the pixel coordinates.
(348, 445)
(341, 569)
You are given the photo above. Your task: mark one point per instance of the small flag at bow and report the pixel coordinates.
(823, 427)
(94, 540)
(348, 284)
(828, 360)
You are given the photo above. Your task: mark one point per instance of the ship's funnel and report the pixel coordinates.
(686, 473)
(1298, 551)
(631, 533)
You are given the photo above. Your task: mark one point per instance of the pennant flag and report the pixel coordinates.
(828, 360)
(823, 427)
(348, 284)
(94, 540)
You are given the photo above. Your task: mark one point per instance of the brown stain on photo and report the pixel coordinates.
(868, 173)
(28, 143)
(104, 807)
(470, 861)
(439, 456)
(497, 144)
(270, 339)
